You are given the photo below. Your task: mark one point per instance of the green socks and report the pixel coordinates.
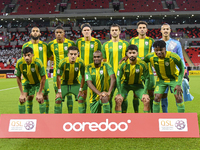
(58, 108)
(42, 108)
(22, 108)
(69, 104)
(47, 106)
(181, 107)
(124, 105)
(151, 103)
(106, 107)
(156, 107)
(29, 105)
(136, 104)
(82, 107)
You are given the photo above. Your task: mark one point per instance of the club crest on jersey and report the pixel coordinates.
(120, 47)
(92, 45)
(101, 71)
(40, 48)
(76, 69)
(65, 47)
(166, 63)
(146, 43)
(33, 69)
(137, 70)
(58, 71)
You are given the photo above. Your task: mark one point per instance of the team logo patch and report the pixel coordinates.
(118, 72)
(15, 71)
(146, 43)
(76, 69)
(58, 71)
(101, 71)
(92, 45)
(40, 48)
(120, 47)
(65, 47)
(166, 63)
(137, 70)
(33, 69)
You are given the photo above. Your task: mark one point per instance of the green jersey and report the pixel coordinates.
(87, 48)
(144, 45)
(99, 77)
(69, 72)
(32, 73)
(114, 52)
(59, 51)
(166, 68)
(131, 74)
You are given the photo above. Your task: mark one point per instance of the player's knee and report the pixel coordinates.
(118, 102)
(30, 97)
(45, 97)
(58, 101)
(179, 99)
(105, 99)
(157, 99)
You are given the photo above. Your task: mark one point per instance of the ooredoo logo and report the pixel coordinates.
(94, 126)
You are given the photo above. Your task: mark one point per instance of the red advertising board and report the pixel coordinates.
(99, 125)
(10, 75)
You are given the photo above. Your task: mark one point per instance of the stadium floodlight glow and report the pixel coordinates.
(111, 18)
(177, 15)
(123, 17)
(13, 18)
(151, 16)
(1, 19)
(68, 19)
(40, 18)
(95, 18)
(165, 15)
(29, 18)
(83, 18)
(192, 15)
(138, 16)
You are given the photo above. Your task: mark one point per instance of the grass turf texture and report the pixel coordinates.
(9, 105)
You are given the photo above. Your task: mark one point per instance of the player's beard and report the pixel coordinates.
(132, 58)
(35, 38)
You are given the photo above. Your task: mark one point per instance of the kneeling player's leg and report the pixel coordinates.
(110, 100)
(45, 96)
(164, 101)
(95, 106)
(118, 104)
(106, 105)
(29, 104)
(82, 102)
(21, 105)
(124, 93)
(42, 106)
(69, 102)
(136, 103)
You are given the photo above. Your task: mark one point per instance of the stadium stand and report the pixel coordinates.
(194, 54)
(191, 32)
(188, 5)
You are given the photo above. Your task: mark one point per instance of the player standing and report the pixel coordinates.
(59, 49)
(97, 75)
(34, 73)
(165, 63)
(40, 51)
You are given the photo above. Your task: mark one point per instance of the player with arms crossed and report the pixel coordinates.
(113, 51)
(132, 71)
(87, 46)
(97, 76)
(173, 46)
(67, 78)
(39, 51)
(165, 63)
(34, 73)
(59, 49)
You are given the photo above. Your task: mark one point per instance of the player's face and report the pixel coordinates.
(132, 54)
(72, 54)
(165, 30)
(160, 52)
(35, 33)
(115, 32)
(59, 33)
(142, 29)
(86, 32)
(28, 57)
(97, 58)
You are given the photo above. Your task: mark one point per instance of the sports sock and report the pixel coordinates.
(106, 107)
(29, 106)
(151, 103)
(124, 105)
(42, 108)
(47, 106)
(82, 107)
(69, 104)
(136, 104)
(164, 102)
(116, 111)
(146, 111)
(58, 109)
(22, 108)
(181, 107)
(156, 107)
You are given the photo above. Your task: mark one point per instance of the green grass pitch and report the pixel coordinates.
(9, 105)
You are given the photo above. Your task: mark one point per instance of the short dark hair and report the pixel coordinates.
(59, 27)
(86, 25)
(73, 48)
(115, 25)
(27, 50)
(142, 22)
(132, 47)
(159, 43)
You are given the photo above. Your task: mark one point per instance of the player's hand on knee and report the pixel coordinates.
(58, 95)
(22, 98)
(104, 99)
(39, 98)
(178, 90)
(80, 93)
(119, 98)
(145, 98)
(102, 94)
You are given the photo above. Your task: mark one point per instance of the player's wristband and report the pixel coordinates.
(59, 90)
(81, 89)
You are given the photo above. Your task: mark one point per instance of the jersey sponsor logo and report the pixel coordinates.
(94, 126)
(171, 46)
(92, 45)
(146, 43)
(24, 70)
(65, 48)
(101, 72)
(76, 68)
(58, 71)
(156, 63)
(127, 70)
(137, 70)
(33, 69)
(67, 69)
(40, 48)
(166, 63)
(120, 47)
(56, 49)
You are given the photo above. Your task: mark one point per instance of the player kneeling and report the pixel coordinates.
(129, 78)
(33, 72)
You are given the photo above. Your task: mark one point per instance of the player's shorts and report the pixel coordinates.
(151, 85)
(161, 87)
(31, 88)
(46, 87)
(95, 106)
(138, 89)
(85, 86)
(71, 89)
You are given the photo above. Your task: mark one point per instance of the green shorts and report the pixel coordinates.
(71, 89)
(95, 106)
(46, 87)
(138, 89)
(151, 85)
(55, 83)
(31, 88)
(85, 86)
(161, 86)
